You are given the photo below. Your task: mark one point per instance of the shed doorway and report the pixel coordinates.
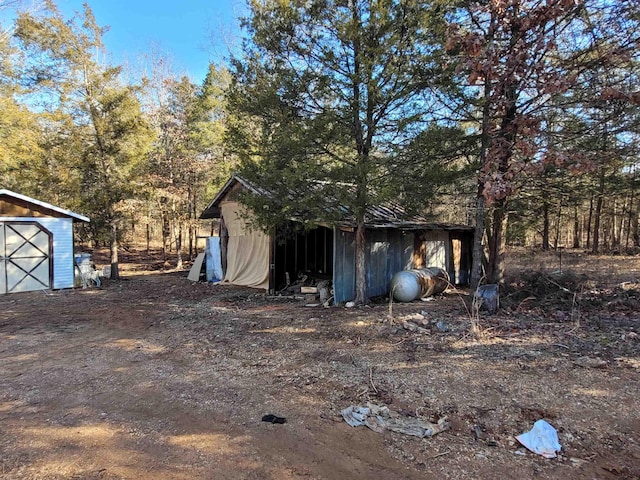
(25, 257)
(303, 254)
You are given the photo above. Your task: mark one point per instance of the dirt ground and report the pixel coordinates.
(156, 377)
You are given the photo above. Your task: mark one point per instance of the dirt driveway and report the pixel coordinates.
(155, 377)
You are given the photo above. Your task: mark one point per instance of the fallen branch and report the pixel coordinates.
(564, 289)
(440, 454)
(371, 380)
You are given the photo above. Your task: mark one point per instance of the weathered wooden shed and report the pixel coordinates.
(393, 243)
(36, 244)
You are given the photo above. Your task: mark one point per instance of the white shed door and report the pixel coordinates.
(435, 249)
(25, 257)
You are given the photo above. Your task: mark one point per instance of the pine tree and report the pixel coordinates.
(324, 95)
(88, 105)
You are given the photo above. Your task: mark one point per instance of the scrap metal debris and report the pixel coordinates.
(487, 297)
(379, 418)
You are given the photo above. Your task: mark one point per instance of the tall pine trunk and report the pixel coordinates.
(363, 141)
(616, 226)
(545, 226)
(195, 220)
(179, 246)
(597, 214)
(558, 218)
(589, 221)
(576, 228)
(189, 217)
(629, 220)
(166, 231)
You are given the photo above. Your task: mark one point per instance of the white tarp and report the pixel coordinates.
(213, 260)
(247, 251)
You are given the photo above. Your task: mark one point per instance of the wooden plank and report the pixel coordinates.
(196, 268)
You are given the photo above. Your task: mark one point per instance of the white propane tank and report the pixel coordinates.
(410, 285)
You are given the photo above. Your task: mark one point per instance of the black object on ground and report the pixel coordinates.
(273, 419)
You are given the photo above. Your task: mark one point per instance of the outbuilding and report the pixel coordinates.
(394, 242)
(36, 244)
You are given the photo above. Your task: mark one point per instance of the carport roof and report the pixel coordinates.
(43, 205)
(390, 215)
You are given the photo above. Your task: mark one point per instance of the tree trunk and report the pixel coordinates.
(576, 228)
(506, 135)
(478, 250)
(495, 268)
(179, 246)
(616, 226)
(113, 250)
(166, 231)
(629, 220)
(361, 275)
(597, 215)
(148, 237)
(545, 226)
(589, 220)
(195, 217)
(558, 218)
(360, 80)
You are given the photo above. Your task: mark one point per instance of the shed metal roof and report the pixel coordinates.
(68, 213)
(389, 215)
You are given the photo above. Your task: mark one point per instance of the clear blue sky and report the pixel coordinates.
(191, 32)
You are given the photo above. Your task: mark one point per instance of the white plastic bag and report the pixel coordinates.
(541, 439)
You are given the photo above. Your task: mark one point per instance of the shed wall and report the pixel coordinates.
(62, 231)
(344, 266)
(387, 252)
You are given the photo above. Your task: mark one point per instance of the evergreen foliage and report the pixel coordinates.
(83, 105)
(531, 106)
(325, 98)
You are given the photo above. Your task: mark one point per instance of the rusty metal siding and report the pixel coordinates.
(387, 252)
(401, 257)
(344, 266)
(377, 253)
